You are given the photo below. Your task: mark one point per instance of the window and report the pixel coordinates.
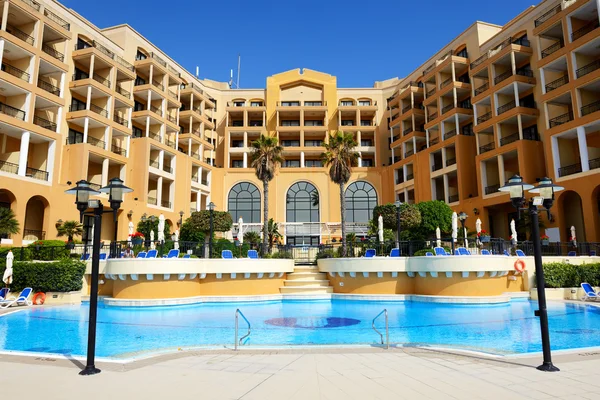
(239, 103)
(290, 143)
(140, 56)
(313, 123)
(237, 123)
(302, 203)
(463, 53)
(467, 130)
(291, 164)
(244, 201)
(79, 74)
(75, 136)
(466, 104)
(256, 123)
(347, 103)
(139, 81)
(137, 132)
(256, 104)
(290, 123)
(237, 143)
(237, 164)
(137, 106)
(347, 122)
(365, 122)
(313, 143)
(313, 163)
(361, 198)
(290, 103)
(367, 163)
(366, 142)
(313, 103)
(364, 102)
(215, 103)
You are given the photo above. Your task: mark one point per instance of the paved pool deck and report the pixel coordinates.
(369, 373)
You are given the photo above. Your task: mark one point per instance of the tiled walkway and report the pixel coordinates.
(335, 374)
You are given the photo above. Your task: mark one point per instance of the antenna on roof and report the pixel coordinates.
(197, 71)
(238, 72)
(237, 83)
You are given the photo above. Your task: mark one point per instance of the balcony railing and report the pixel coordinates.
(437, 166)
(20, 34)
(9, 167)
(591, 67)
(569, 170)
(48, 87)
(119, 89)
(480, 60)
(492, 189)
(44, 123)
(484, 117)
(450, 134)
(587, 28)
(407, 131)
(410, 177)
(561, 119)
(101, 80)
(173, 94)
(594, 163)
(431, 92)
(509, 139)
(433, 116)
(447, 108)
(399, 180)
(33, 4)
(53, 53)
(12, 111)
(502, 77)
(117, 150)
(172, 118)
(33, 234)
(154, 136)
(406, 109)
(453, 198)
(555, 84)
(409, 153)
(525, 72)
(9, 69)
(152, 200)
(546, 16)
(445, 83)
(169, 143)
(99, 110)
(96, 142)
(487, 147)
(124, 63)
(174, 71)
(450, 161)
(154, 164)
(508, 106)
(482, 88)
(36, 174)
(590, 108)
(57, 19)
(158, 85)
(158, 59)
(165, 204)
(120, 120)
(553, 48)
(167, 169)
(433, 141)
(155, 110)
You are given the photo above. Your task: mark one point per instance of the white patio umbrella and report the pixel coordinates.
(130, 231)
(573, 236)
(176, 239)
(380, 228)
(8, 272)
(513, 231)
(240, 234)
(454, 226)
(161, 228)
(152, 245)
(438, 236)
(478, 229)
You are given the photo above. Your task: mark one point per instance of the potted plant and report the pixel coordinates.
(483, 236)
(137, 238)
(545, 240)
(69, 229)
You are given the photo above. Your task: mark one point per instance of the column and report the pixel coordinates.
(301, 159)
(24, 153)
(513, 63)
(583, 151)
(516, 89)
(453, 71)
(88, 98)
(2, 42)
(104, 178)
(359, 159)
(543, 79)
(159, 191)
(161, 159)
(359, 138)
(501, 174)
(245, 162)
(92, 63)
(483, 166)
(456, 124)
(446, 188)
(147, 126)
(475, 115)
(50, 159)
(127, 145)
(4, 15)
(86, 124)
(427, 136)
(245, 139)
(59, 118)
(455, 98)
(520, 126)
(198, 200)
(555, 155)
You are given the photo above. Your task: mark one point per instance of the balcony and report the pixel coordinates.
(152, 201)
(120, 120)
(450, 161)
(101, 80)
(508, 106)
(155, 110)
(431, 92)
(553, 48)
(48, 87)
(487, 147)
(158, 85)
(99, 110)
(437, 165)
(445, 83)
(591, 67)
(33, 4)
(44, 123)
(555, 84)
(409, 153)
(569, 170)
(96, 142)
(16, 72)
(587, 28)
(484, 117)
(9, 167)
(502, 77)
(20, 34)
(594, 163)
(546, 16)
(433, 116)
(492, 189)
(453, 199)
(36, 174)
(407, 131)
(447, 108)
(118, 150)
(53, 53)
(53, 17)
(12, 111)
(410, 177)
(171, 119)
(450, 134)
(561, 119)
(122, 91)
(434, 141)
(590, 108)
(482, 88)
(170, 143)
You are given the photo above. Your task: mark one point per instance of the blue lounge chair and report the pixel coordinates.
(152, 253)
(253, 254)
(141, 254)
(485, 252)
(4, 293)
(571, 254)
(370, 253)
(520, 253)
(440, 251)
(463, 251)
(428, 254)
(227, 254)
(590, 293)
(592, 253)
(173, 253)
(103, 256)
(22, 299)
(85, 257)
(164, 256)
(506, 253)
(395, 252)
(186, 256)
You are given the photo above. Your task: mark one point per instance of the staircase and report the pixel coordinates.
(306, 279)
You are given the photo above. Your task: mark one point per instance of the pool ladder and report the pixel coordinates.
(387, 330)
(238, 312)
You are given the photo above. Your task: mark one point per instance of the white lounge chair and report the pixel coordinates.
(23, 299)
(590, 293)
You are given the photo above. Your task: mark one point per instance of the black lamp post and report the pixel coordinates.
(180, 218)
(82, 193)
(398, 204)
(115, 190)
(546, 189)
(211, 207)
(462, 217)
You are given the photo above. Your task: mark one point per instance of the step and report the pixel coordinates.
(306, 289)
(306, 282)
(307, 276)
(306, 269)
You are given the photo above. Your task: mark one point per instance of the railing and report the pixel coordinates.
(33, 4)
(492, 189)
(154, 136)
(165, 204)
(9, 69)
(407, 108)
(555, 84)
(428, 69)
(437, 165)
(174, 71)
(171, 118)
(484, 117)
(433, 141)
(561, 119)
(482, 88)
(587, 28)
(103, 50)
(594, 163)
(433, 116)
(409, 153)
(152, 200)
(48, 87)
(590, 108)
(158, 59)
(96, 142)
(119, 89)
(546, 16)
(124, 63)
(502, 77)
(12, 111)
(30, 234)
(117, 150)
(487, 147)
(410, 177)
(20, 34)
(169, 143)
(154, 164)
(9, 167)
(531, 133)
(155, 110)
(173, 94)
(101, 80)
(57, 19)
(431, 92)
(447, 108)
(44, 123)
(237, 342)
(53, 53)
(453, 198)
(387, 329)
(158, 84)
(509, 139)
(594, 65)
(480, 60)
(36, 174)
(445, 83)
(450, 161)
(569, 170)
(99, 110)
(407, 131)
(120, 120)
(525, 72)
(553, 48)
(95, 186)
(508, 106)
(450, 134)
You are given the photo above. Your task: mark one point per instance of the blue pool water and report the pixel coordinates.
(123, 332)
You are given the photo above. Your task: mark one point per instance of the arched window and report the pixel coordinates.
(244, 201)
(302, 203)
(361, 198)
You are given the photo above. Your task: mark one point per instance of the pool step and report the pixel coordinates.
(312, 289)
(306, 268)
(307, 276)
(306, 282)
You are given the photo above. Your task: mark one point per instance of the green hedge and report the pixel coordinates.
(57, 276)
(562, 275)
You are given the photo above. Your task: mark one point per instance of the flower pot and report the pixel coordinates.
(136, 241)
(545, 242)
(484, 239)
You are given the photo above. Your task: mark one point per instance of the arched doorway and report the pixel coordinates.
(572, 215)
(302, 205)
(596, 213)
(35, 214)
(361, 199)
(244, 201)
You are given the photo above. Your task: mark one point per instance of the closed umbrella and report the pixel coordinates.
(438, 236)
(161, 228)
(380, 228)
(152, 245)
(176, 239)
(130, 228)
(478, 229)
(454, 226)
(240, 234)
(8, 272)
(513, 230)
(573, 236)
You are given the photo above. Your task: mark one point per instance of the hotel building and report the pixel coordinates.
(79, 102)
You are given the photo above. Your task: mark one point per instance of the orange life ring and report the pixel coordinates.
(39, 298)
(520, 265)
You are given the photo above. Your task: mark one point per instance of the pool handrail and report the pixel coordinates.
(237, 313)
(387, 330)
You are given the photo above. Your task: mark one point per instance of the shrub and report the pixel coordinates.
(561, 275)
(145, 227)
(49, 250)
(58, 276)
(422, 252)
(433, 214)
(410, 216)
(195, 228)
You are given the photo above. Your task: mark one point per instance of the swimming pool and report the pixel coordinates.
(127, 332)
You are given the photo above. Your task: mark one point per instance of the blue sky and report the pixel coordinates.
(359, 42)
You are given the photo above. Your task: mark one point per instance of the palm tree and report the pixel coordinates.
(340, 157)
(266, 154)
(69, 229)
(8, 222)
(272, 233)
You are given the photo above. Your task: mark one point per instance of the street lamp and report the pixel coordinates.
(462, 217)
(546, 189)
(180, 218)
(211, 207)
(398, 204)
(115, 190)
